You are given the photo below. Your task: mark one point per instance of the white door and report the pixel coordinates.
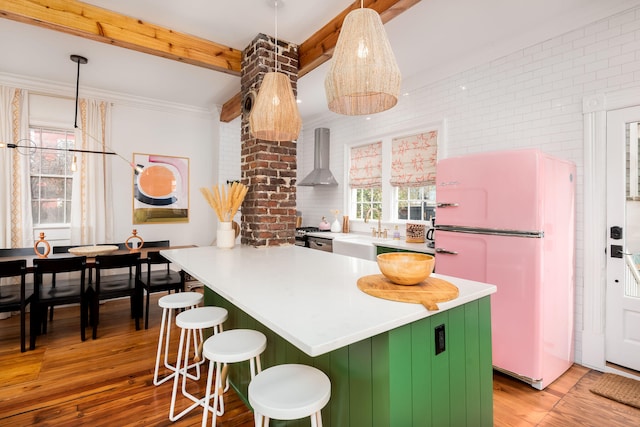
(623, 239)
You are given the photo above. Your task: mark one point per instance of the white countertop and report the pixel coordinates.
(388, 242)
(308, 297)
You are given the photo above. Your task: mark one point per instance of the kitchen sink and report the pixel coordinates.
(359, 247)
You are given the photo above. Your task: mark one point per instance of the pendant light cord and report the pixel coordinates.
(276, 37)
(75, 117)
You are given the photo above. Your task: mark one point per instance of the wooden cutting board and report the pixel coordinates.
(428, 293)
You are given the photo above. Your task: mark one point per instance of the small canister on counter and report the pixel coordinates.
(345, 224)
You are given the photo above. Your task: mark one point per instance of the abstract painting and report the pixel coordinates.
(160, 189)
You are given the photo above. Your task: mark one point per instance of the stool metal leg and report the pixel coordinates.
(261, 420)
(182, 371)
(175, 381)
(166, 350)
(316, 419)
(165, 331)
(217, 394)
(220, 388)
(207, 397)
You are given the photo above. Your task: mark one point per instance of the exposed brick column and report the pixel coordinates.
(268, 168)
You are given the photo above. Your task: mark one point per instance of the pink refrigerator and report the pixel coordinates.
(508, 218)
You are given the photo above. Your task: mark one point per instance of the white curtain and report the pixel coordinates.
(15, 189)
(91, 197)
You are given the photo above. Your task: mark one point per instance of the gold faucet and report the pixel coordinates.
(374, 232)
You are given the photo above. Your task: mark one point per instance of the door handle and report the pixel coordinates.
(447, 205)
(616, 251)
(615, 232)
(445, 251)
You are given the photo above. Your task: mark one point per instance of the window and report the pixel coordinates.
(366, 199)
(416, 203)
(51, 176)
(407, 182)
(365, 179)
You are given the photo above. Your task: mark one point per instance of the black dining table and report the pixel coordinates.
(91, 260)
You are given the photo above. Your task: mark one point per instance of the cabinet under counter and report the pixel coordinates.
(380, 355)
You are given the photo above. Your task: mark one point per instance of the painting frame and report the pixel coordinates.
(160, 189)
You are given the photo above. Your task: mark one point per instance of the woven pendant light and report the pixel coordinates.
(275, 115)
(364, 77)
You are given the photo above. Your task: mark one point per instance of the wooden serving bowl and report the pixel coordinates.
(406, 268)
(92, 251)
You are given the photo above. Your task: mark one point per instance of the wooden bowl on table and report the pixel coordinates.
(406, 268)
(92, 251)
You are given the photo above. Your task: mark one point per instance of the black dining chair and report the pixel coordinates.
(68, 289)
(116, 277)
(158, 279)
(157, 244)
(16, 296)
(16, 252)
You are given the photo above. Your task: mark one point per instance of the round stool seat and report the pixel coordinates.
(289, 392)
(201, 317)
(234, 345)
(180, 300)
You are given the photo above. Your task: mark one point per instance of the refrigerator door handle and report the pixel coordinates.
(447, 205)
(445, 251)
(491, 232)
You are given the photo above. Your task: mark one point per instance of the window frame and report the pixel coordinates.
(425, 203)
(67, 178)
(389, 211)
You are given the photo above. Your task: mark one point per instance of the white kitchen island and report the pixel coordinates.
(379, 354)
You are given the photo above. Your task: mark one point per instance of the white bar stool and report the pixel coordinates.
(289, 392)
(196, 319)
(169, 303)
(235, 345)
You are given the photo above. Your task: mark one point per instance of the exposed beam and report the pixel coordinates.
(231, 109)
(88, 21)
(318, 48)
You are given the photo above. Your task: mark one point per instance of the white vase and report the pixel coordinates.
(335, 226)
(225, 235)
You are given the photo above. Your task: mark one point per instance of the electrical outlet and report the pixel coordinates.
(440, 339)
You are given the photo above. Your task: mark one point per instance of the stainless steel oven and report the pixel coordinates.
(303, 239)
(320, 243)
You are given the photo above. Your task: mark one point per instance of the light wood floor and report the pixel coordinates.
(108, 382)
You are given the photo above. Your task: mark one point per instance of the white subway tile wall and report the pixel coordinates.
(229, 155)
(531, 98)
(230, 149)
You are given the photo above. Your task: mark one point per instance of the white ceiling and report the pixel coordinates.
(433, 39)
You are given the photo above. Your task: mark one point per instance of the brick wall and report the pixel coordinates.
(268, 168)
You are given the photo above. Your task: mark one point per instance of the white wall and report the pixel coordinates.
(170, 132)
(142, 126)
(531, 98)
(230, 157)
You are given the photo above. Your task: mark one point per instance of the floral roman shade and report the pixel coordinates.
(413, 160)
(366, 166)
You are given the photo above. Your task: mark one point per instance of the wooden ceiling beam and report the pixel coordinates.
(88, 21)
(91, 22)
(318, 48)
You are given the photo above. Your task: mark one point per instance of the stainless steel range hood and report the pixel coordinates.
(320, 175)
